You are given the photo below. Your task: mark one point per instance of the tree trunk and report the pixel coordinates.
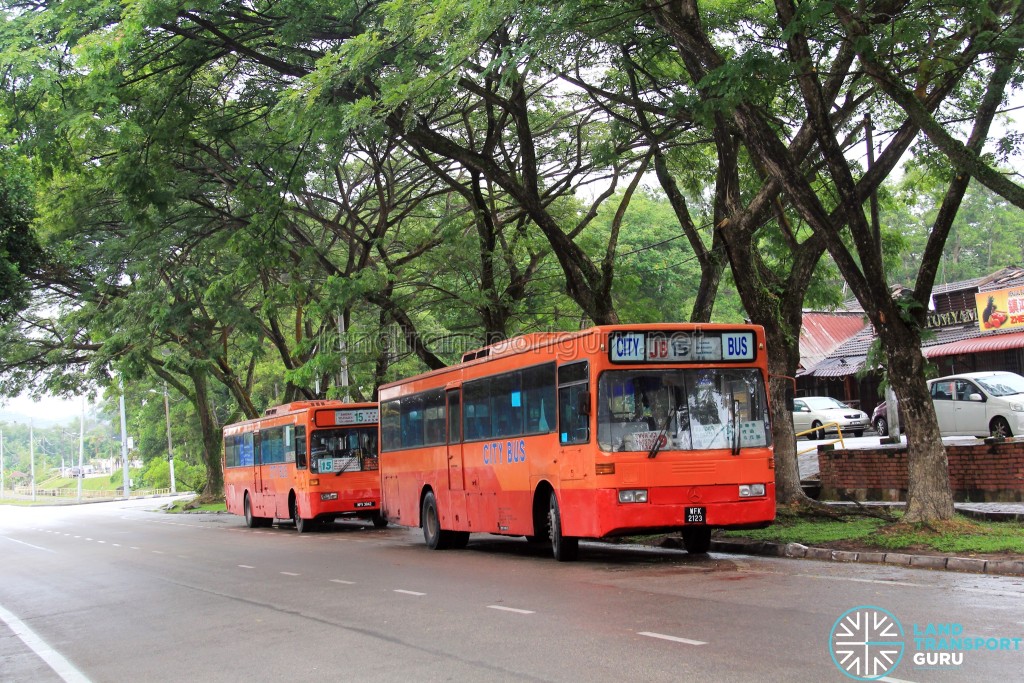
(928, 495)
(212, 443)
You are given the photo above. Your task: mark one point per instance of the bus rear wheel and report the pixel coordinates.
(564, 548)
(251, 520)
(433, 535)
(697, 540)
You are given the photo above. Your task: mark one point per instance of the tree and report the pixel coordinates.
(818, 32)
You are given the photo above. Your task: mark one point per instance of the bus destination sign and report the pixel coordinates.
(680, 347)
(362, 416)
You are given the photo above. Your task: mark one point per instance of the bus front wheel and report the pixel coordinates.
(565, 548)
(301, 525)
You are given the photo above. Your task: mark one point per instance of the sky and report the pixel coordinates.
(48, 409)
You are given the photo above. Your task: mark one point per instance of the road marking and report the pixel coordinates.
(347, 583)
(510, 609)
(246, 566)
(399, 590)
(157, 552)
(291, 574)
(674, 639)
(878, 581)
(37, 547)
(54, 659)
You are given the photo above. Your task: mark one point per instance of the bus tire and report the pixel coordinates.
(250, 521)
(564, 548)
(301, 525)
(435, 538)
(379, 520)
(697, 539)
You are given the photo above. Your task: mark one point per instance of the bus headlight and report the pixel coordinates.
(633, 496)
(751, 490)
(329, 496)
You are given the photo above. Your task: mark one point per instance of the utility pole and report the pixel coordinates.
(32, 457)
(124, 444)
(343, 379)
(170, 451)
(81, 451)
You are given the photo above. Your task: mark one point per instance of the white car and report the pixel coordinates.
(823, 413)
(979, 404)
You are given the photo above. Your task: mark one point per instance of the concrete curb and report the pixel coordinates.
(798, 551)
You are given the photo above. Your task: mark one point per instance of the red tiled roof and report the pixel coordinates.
(822, 333)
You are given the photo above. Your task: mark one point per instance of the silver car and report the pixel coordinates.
(823, 413)
(979, 404)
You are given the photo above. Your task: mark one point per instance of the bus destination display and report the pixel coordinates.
(356, 417)
(680, 347)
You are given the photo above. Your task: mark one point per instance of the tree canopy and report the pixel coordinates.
(277, 199)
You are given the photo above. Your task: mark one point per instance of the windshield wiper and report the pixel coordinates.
(653, 453)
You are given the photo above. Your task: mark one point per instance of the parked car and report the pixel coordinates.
(979, 404)
(817, 412)
(880, 419)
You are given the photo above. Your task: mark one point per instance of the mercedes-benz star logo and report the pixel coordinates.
(867, 643)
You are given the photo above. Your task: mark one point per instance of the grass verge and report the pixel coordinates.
(959, 536)
(191, 506)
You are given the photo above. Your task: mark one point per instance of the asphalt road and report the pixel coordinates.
(119, 592)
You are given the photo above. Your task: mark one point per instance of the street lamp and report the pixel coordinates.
(32, 457)
(170, 451)
(124, 443)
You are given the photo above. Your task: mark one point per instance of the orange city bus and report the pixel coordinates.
(605, 432)
(308, 462)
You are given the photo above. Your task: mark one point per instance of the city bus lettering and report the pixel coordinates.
(515, 451)
(493, 453)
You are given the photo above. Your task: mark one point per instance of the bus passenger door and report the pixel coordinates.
(456, 475)
(573, 419)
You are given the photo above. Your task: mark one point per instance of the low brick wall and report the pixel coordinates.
(981, 472)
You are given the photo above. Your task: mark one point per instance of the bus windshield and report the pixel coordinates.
(350, 449)
(682, 410)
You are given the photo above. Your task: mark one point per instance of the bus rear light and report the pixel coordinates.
(633, 496)
(605, 468)
(329, 496)
(751, 490)
(771, 463)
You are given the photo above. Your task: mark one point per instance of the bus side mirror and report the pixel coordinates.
(583, 403)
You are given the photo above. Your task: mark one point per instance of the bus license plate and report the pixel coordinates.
(364, 504)
(695, 515)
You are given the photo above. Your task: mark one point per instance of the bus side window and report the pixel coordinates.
(573, 412)
(300, 447)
